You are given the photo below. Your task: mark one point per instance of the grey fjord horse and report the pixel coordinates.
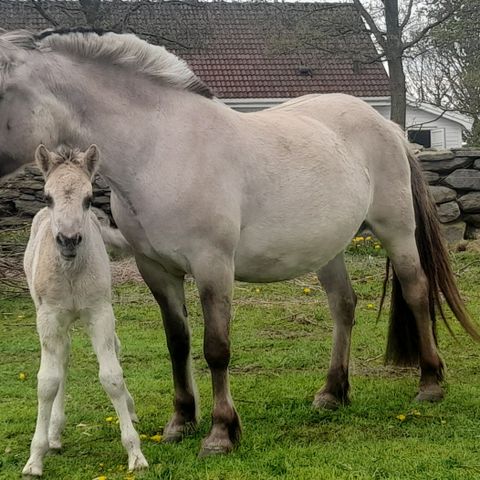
(200, 189)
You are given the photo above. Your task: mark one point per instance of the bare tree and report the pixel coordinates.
(447, 73)
(390, 24)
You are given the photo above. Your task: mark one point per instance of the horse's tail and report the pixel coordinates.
(403, 346)
(113, 238)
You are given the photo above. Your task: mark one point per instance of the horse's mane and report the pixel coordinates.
(119, 49)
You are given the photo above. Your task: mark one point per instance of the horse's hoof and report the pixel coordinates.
(175, 433)
(326, 401)
(430, 393)
(211, 447)
(134, 417)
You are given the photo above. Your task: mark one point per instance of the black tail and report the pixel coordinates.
(403, 346)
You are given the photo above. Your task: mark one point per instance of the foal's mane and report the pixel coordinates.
(126, 50)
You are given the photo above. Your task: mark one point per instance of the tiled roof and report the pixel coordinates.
(250, 49)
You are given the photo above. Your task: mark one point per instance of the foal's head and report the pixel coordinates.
(68, 193)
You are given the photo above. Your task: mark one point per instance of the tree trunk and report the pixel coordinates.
(394, 54)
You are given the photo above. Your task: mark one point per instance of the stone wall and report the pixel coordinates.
(453, 176)
(454, 179)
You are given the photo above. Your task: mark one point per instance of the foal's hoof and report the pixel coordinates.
(32, 470)
(326, 401)
(430, 393)
(215, 447)
(137, 462)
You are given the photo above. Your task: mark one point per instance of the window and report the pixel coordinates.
(421, 137)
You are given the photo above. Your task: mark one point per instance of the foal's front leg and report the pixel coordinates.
(215, 284)
(102, 332)
(53, 333)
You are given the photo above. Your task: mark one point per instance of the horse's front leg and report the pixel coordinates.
(214, 279)
(101, 325)
(168, 290)
(54, 342)
(342, 301)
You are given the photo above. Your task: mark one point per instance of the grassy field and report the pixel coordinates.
(281, 343)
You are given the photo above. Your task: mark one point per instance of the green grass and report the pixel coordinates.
(281, 343)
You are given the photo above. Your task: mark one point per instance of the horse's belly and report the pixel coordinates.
(273, 254)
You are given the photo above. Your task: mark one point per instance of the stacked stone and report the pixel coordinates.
(454, 179)
(21, 197)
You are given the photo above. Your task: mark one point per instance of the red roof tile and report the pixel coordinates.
(250, 49)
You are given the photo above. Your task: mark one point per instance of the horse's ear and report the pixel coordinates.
(42, 158)
(92, 159)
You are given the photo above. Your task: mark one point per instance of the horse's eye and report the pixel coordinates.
(48, 200)
(87, 203)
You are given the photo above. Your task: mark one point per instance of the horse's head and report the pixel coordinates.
(68, 193)
(29, 112)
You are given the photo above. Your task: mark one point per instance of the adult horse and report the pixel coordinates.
(201, 189)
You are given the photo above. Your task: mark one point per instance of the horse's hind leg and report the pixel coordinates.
(411, 336)
(168, 291)
(341, 300)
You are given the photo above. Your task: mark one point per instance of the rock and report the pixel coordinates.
(447, 166)
(473, 219)
(33, 169)
(431, 177)
(31, 184)
(467, 152)
(26, 196)
(448, 212)
(28, 207)
(472, 233)
(101, 200)
(453, 232)
(463, 179)
(442, 194)
(8, 194)
(470, 203)
(435, 155)
(476, 164)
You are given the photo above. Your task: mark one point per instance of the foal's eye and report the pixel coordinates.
(48, 200)
(87, 203)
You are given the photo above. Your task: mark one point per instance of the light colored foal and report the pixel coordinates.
(68, 274)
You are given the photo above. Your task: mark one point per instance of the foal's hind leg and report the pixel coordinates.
(402, 249)
(168, 290)
(341, 300)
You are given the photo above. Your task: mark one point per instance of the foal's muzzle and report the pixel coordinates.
(68, 245)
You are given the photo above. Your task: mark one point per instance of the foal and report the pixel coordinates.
(68, 274)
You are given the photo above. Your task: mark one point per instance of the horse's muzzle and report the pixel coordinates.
(68, 245)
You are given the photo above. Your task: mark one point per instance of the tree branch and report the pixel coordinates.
(371, 23)
(407, 15)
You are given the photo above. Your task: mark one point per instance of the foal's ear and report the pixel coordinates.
(92, 159)
(42, 158)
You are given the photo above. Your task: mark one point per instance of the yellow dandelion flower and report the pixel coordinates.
(307, 291)
(401, 417)
(143, 436)
(109, 419)
(368, 238)
(416, 413)
(156, 438)
(359, 239)
(377, 246)
(257, 290)
(101, 477)
(22, 376)
(370, 306)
